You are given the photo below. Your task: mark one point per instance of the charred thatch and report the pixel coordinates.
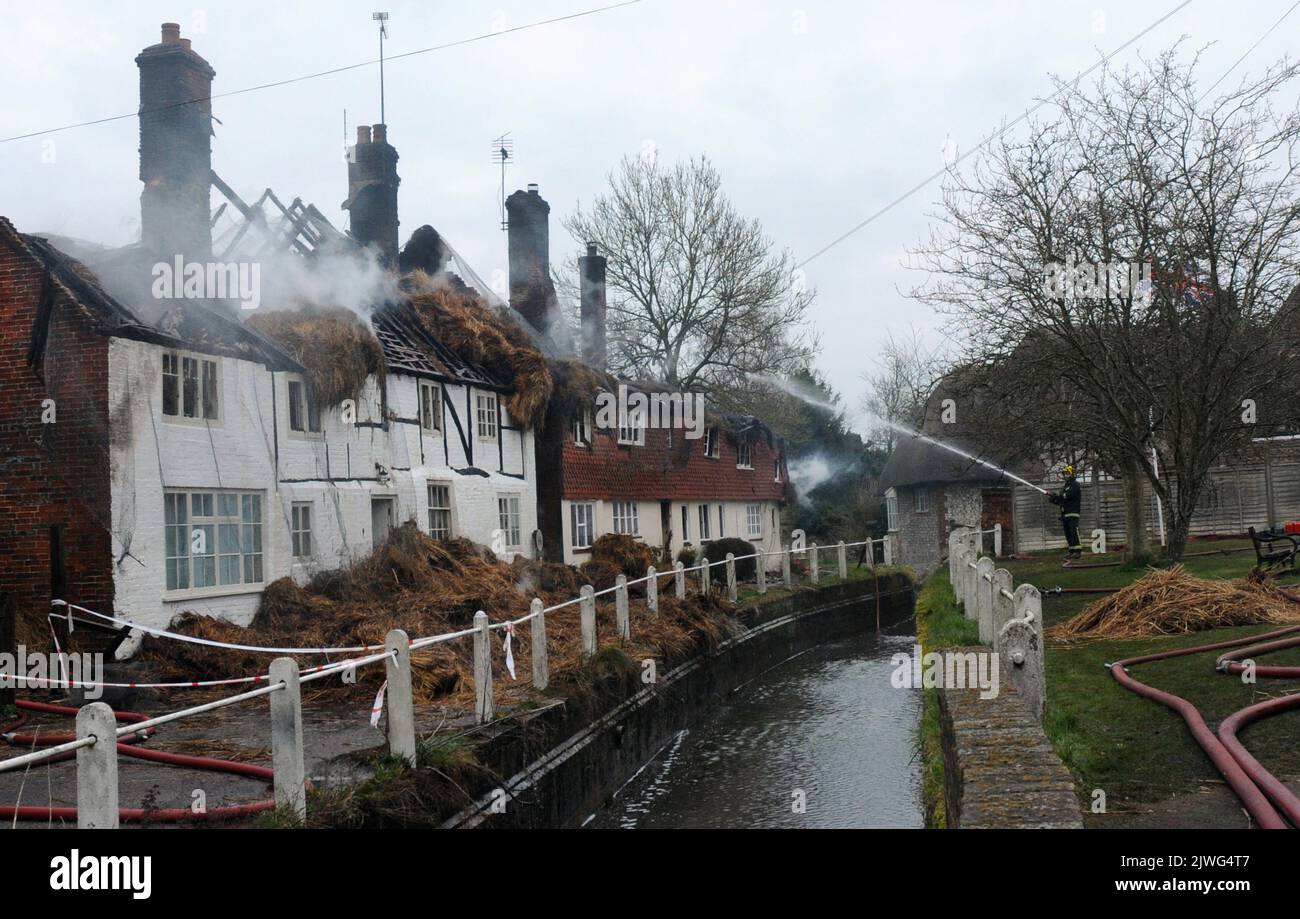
(460, 319)
(339, 351)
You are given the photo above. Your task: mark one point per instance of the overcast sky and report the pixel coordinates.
(817, 113)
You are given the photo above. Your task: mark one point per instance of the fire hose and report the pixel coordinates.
(1268, 801)
(126, 747)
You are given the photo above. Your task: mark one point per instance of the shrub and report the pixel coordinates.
(717, 552)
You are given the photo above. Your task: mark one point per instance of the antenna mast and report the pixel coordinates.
(503, 152)
(382, 19)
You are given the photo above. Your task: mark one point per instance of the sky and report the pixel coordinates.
(816, 113)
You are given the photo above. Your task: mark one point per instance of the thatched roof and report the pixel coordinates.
(338, 350)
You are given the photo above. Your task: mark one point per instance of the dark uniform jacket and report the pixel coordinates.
(1071, 499)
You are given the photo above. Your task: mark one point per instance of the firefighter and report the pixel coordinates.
(1070, 501)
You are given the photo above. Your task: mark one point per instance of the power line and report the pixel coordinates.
(1285, 16)
(992, 137)
(325, 73)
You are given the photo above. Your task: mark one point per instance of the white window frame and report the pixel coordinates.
(485, 415)
(711, 447)
(706, 524)
(430, 394)
(632, 434)
(891, 510)
(582, 521)
(686, 523)
(921, 500)
(219, 513)
(582, 424)
(511, 520)
(308, 409)
(754, 520)
(181, 361)
(439, 509)
(744, 455)
(627, 518)
(301, 529)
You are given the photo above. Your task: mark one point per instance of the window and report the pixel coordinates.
(582, 428)
(584, 527)
(744, 455)
(487, 415)
(776, 469)
(632, 433)
(440, 511)
(214, 539)
(711, 442)
(754, 518)
(627, 518)
(706, 530)
(300, 520)
(430, 406)
(891, 509)
(508, 513)
(722, 520)
(922, 499)
(304, 414)
(190, 387)
(686, 524)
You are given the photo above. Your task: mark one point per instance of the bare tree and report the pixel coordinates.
(697, 295)
(1135, 171)
(907, 371)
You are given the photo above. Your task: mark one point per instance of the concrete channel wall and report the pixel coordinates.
(1000, 771)
(562, 785)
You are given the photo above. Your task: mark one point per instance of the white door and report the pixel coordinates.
(382, 515)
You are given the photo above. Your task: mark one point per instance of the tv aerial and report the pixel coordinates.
(503, 154)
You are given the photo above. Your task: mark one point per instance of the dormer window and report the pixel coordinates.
(711, 446)
(582, 428)
(744, 455)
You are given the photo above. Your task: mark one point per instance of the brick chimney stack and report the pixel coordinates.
(591, 270)
(372, 192)
(175, 147)
(532, 292)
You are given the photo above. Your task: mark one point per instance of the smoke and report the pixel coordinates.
(802, 393)
(811, 472)
(354, 281)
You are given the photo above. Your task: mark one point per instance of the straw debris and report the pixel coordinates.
(1174, 602)
(338, 350)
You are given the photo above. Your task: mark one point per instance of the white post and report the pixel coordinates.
(787, 575)
(652, 591)
(622, 618)
(704, 575)
(401, 710)
(984, 598)
(760, 570)
(1022, 645)
(997, 540)
(484, 709)
(844, 561)
(97, 769)
(733, 593)
(286, 738)
(588, 607)
(541, 664)
(679, 579)
(889, 550)
(1004, 608)
(814, 567)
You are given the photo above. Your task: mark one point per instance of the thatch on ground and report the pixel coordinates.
(337, 348)
(459, 319)
(429, 588)
(1175, 602)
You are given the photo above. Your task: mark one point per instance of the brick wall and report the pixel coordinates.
(51, 475)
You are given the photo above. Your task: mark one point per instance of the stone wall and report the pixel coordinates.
(1000, 771)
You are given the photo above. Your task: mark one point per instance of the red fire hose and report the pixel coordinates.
(125, 748)
(1258, 789)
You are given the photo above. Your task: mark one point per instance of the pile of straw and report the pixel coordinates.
(1174, 602)
(459, 319)
(428, 588)
(338, 350)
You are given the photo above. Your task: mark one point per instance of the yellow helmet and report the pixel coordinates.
(1069, 470)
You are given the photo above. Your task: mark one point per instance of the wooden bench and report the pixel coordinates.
(1274, 550)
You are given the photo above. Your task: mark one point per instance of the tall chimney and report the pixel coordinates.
(372, 191)
(591, 271)
(175, 147)
(532, 292)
